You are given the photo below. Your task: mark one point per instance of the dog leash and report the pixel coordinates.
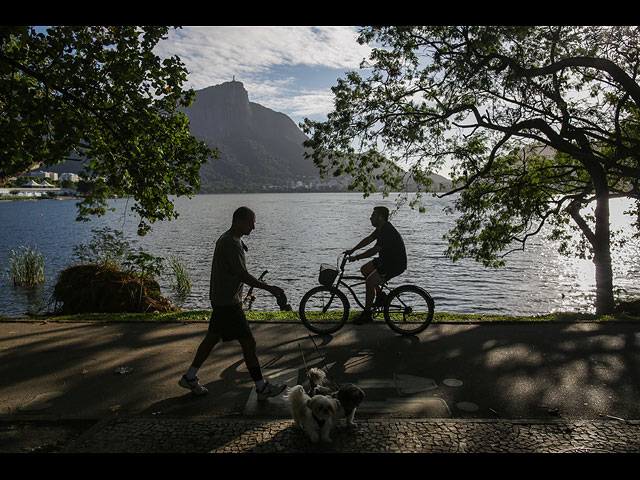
(324, 363)
(296, 326)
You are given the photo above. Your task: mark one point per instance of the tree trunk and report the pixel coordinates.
(602, 256)
(600, 239)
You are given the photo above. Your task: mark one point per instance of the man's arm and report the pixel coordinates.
(369, 253)
(363, 243)
(252, 281)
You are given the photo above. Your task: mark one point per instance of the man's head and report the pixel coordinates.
(379, 216)
(244, 221)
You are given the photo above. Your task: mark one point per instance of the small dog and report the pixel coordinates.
(314, 414)
(349, 396)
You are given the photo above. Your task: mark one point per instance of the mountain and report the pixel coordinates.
(256, 145)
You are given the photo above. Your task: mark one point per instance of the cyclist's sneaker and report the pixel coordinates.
(380, 299)
(365, 317)
(270, 390)
(192, 385)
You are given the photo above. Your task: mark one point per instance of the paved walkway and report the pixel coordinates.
(455, 388)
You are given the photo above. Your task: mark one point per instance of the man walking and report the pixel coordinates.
(391, 262)
(228, 321)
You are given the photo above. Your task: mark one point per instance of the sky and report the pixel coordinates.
(289, 69)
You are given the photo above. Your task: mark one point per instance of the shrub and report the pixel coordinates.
(107, 248)
(99, 285)
(95, 288)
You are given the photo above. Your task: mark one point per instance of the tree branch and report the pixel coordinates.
(42, 78)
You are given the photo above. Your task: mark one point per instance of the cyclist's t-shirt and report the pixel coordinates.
(393, 254)
(228, 263)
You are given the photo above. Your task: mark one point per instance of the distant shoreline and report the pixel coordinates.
(22, 198)
(259, 192)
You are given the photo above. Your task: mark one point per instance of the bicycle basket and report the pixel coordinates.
(328, 274)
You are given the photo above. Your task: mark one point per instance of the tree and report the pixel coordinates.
(494, 101)
(100, 95)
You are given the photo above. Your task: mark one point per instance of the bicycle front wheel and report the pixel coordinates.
(324, 310)
(408, 310)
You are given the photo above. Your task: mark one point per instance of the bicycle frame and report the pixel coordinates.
(339, 282)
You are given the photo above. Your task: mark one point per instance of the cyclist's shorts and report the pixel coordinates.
(229, 322)
(387, 272)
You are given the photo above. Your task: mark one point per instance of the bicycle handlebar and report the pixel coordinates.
(345, 258)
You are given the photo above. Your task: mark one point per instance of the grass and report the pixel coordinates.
(26, 268)
(182, 276)
(290, 317)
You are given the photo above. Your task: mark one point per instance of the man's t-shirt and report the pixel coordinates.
(392, 253)
(228, 263)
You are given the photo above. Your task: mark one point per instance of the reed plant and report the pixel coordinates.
(182, 276)
(26, 267)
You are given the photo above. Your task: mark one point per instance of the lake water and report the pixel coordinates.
(294, 234)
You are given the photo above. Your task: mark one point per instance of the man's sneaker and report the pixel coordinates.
(270, 390)
(192, 385)
(365, 317)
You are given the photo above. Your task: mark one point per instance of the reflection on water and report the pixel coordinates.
(296, 232)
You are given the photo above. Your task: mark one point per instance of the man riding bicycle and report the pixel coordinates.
(391, 262)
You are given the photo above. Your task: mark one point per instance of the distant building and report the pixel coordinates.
(50, 175)
(69, 176)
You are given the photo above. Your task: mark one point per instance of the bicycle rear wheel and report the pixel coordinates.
(408, 310)
(324, 310)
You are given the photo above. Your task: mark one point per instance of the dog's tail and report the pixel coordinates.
(316, 377)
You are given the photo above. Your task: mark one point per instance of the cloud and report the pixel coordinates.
(303, 104)
(288, 69)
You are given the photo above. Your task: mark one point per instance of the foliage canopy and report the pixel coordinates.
(99, 94)
(537, 124)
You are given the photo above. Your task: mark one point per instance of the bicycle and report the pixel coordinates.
(408, 309)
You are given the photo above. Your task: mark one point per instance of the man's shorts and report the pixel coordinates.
(387, 272)
(229, 322)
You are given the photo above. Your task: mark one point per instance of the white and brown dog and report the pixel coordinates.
(349, 396)
(314, 415)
